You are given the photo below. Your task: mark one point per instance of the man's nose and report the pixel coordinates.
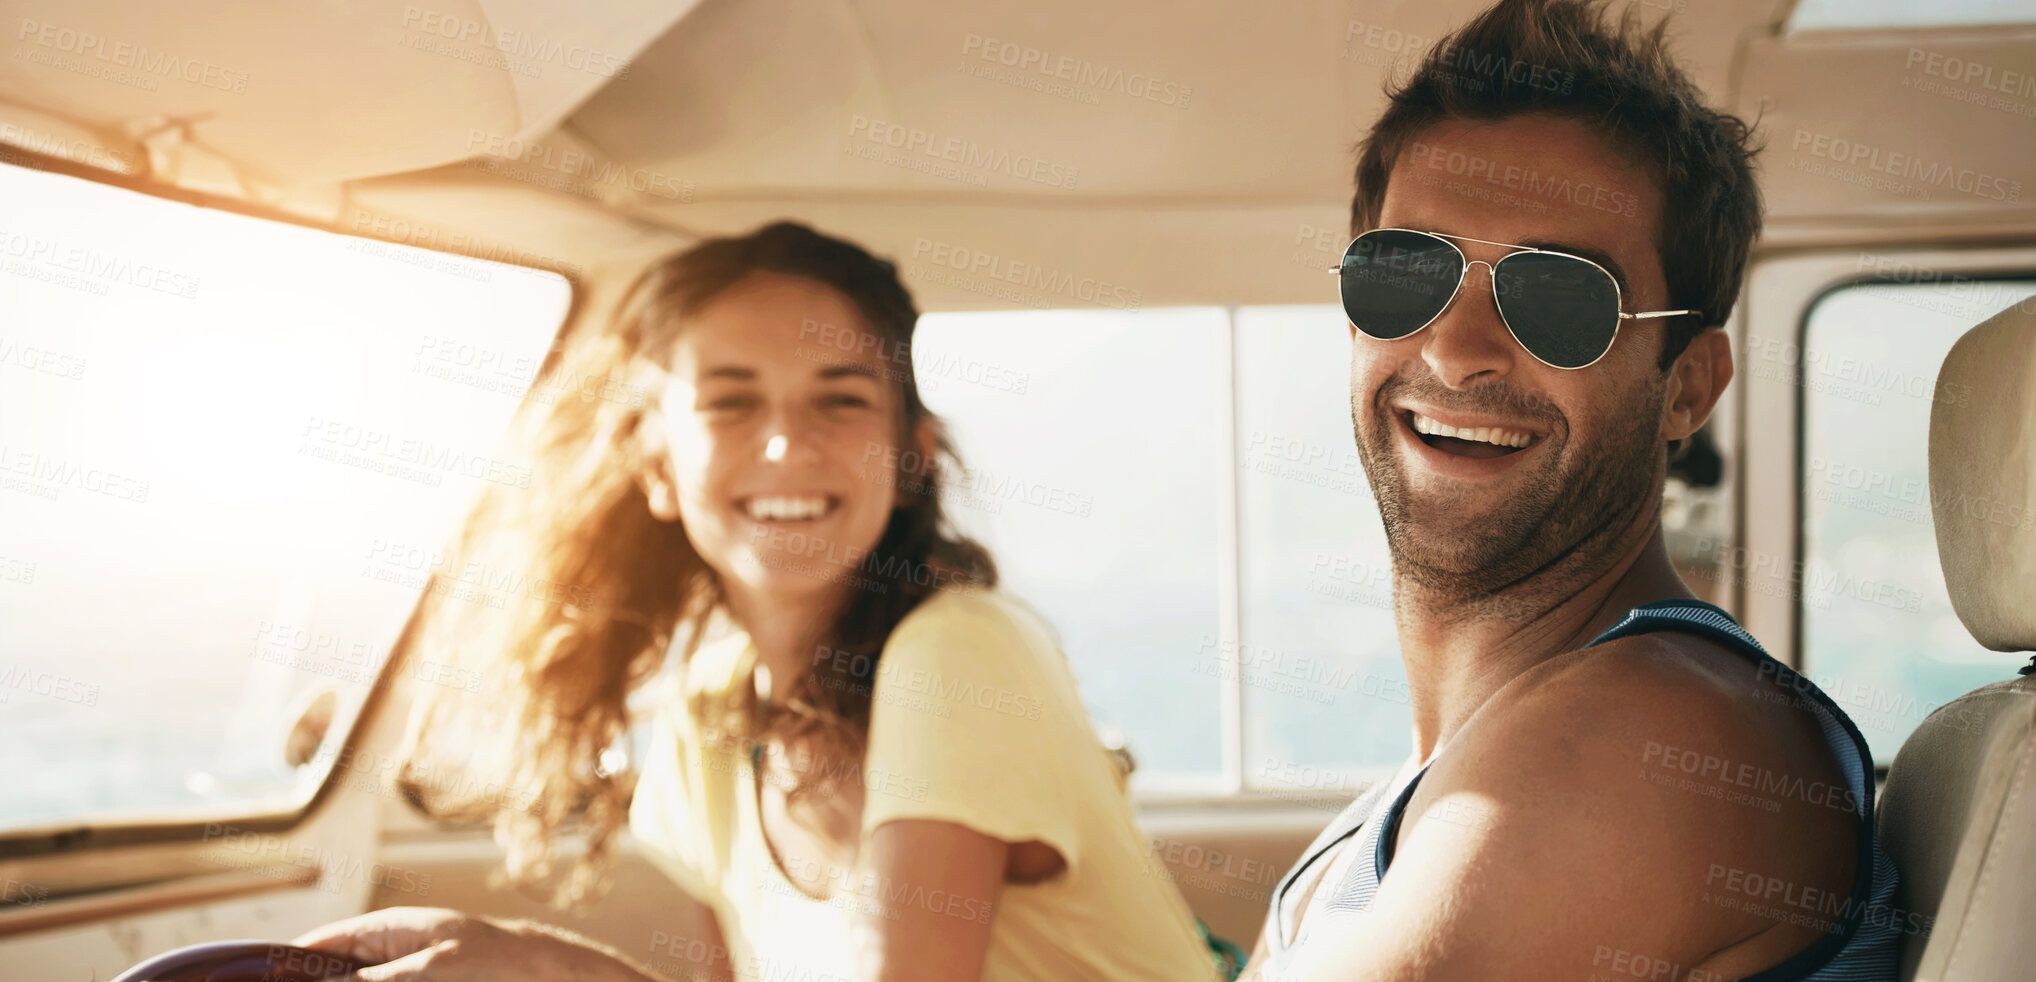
(1469, 339)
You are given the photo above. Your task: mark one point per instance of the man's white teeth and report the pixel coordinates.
(786, 508)
(1483, 434)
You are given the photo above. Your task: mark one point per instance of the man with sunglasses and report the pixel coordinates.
(1610, 779)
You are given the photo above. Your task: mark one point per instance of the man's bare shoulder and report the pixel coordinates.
(1660, 765)
(1669, 711)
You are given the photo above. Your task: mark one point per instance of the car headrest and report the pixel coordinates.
(1983, 478)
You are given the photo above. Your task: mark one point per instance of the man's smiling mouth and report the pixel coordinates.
(1468, 439)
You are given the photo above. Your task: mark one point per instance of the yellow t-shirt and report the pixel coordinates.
(975, 719)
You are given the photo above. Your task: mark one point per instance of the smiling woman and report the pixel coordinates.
(886, 766)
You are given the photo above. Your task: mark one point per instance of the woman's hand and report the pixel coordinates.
(431, 944)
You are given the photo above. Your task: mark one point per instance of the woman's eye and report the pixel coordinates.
(845, 401)
(727, 404)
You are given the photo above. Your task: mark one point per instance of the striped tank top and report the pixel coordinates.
(1860, 947)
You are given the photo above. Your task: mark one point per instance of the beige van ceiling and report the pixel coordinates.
(1187, 151)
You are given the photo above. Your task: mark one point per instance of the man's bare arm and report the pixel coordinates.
(1545, 844)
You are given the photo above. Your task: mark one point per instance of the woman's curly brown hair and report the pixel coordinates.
(610, 587)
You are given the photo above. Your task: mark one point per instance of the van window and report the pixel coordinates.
(1878, 631)
(1326, 703)
(230, 452)
(1093, 443)
(1210, 455)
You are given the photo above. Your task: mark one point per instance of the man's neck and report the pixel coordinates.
(1456, 663)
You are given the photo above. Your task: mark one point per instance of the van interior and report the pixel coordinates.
(276, 278)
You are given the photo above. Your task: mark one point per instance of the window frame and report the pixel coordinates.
(77, 836)
(1781, 292)
(1782, 289)
(1231, 784)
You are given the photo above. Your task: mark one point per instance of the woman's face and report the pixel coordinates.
(780, 427)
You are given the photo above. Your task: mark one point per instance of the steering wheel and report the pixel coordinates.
(241, 961)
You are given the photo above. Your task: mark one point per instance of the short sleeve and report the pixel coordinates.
(662, 816)
(974, 720)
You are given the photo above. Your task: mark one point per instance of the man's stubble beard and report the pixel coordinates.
(1553, 533)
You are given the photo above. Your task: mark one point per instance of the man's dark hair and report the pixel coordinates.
(1561, 58)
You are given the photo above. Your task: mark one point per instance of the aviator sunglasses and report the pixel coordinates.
(1565, 310)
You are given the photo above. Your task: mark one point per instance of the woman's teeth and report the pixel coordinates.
(788, 508)
(1482, 434)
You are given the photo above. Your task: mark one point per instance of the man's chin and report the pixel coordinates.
(1457, 537)
(1436, 552)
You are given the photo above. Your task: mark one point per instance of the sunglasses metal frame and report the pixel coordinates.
(1492, 268)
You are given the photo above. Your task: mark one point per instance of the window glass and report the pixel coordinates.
(1325, 694)
(1843, 14)
(230, 451)
(1093, 442)
(1879, 634)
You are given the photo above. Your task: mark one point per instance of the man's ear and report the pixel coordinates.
(653, 468)
(1696, 382)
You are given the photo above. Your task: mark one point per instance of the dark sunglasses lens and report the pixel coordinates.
(1394, 283)
(1564, 310)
